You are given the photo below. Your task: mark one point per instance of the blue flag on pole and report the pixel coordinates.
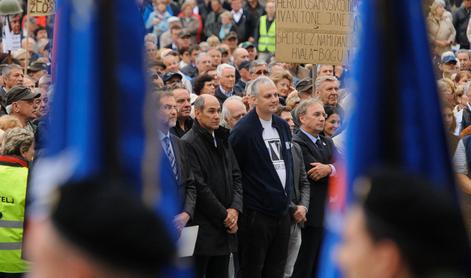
(101, 118)
(397, 114)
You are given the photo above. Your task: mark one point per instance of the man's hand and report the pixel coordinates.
(319, 171)
(231, 219)
(180, 221)
(300, 214)
(233, 230)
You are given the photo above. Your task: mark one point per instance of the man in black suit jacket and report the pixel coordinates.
(175, 151)
(319, 153)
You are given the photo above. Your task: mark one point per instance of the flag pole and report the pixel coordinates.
(27, 40)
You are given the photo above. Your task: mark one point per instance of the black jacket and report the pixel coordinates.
(263, 190)
(460, 21)
(218, 183)
(177, 131)
(186, 181)
(311, 153)
(245, 28)
(222, 97)
(301, 186)
(466, 118)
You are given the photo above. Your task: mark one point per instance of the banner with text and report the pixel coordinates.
(314, 31)
(41, 7)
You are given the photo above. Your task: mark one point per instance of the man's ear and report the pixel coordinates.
(388, 259)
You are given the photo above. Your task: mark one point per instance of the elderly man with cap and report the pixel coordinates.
(231, 39)
(245, 77)
(37, 70)
(403, 226)
(250, 47)
(98, 228)
(448, 64)
(21, 104)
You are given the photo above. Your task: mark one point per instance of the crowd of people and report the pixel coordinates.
(252, 142)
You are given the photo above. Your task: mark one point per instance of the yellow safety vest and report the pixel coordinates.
(266, 41)
(13, 182)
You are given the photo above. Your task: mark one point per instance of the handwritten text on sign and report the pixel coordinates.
(41, 7)
(313, 31)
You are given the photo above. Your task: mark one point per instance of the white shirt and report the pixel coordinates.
(273, 142)
(237, 15)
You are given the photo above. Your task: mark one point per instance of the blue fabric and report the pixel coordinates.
(397, 118)
(76, 119)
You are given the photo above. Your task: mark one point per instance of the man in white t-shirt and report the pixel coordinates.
(262, 144)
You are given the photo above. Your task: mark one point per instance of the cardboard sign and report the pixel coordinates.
(314, 31)
(41, 7)
(11, 38)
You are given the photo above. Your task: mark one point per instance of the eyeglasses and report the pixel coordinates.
(262, 72)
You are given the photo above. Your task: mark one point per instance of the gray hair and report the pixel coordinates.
(319, 66)
(464, 51)
(225, 111)
(255, 64)
(304, 105)
(200, 56)
(199, 103)
(8, 68)
(323, 79)
(222, 67)
(16, 141)
(9, 108)
(255, 85)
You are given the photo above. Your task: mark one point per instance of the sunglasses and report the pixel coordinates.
(260, 72)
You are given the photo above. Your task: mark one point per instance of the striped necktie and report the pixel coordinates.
(171, 156)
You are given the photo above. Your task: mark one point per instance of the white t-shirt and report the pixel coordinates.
(272, 141)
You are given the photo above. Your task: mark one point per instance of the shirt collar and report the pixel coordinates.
(312, 138)
(228, 94)
(163, 135)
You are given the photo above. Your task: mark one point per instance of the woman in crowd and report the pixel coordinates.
(227, 25)
(441, 30)
(158, 19)
(204, 84)
(462, 77)
(283, 81)
(191, 22)
(333, 121)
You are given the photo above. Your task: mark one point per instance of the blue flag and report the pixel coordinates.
(397, 119)
(101, 118)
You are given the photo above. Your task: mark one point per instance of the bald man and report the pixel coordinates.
(219, 186)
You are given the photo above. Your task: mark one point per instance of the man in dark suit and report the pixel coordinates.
(244, 21)
(319, 153)
(227, 77)
(173, 148)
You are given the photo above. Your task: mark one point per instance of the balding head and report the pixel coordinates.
(207, 112)
(240, 55)
(233, 110)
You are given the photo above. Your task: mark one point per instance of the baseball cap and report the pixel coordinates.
(304, 85)
(246, 45)
(20, 93)
(448, 57)
(244, 65)
(169, 75)
(37, 66)
(231, 35)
